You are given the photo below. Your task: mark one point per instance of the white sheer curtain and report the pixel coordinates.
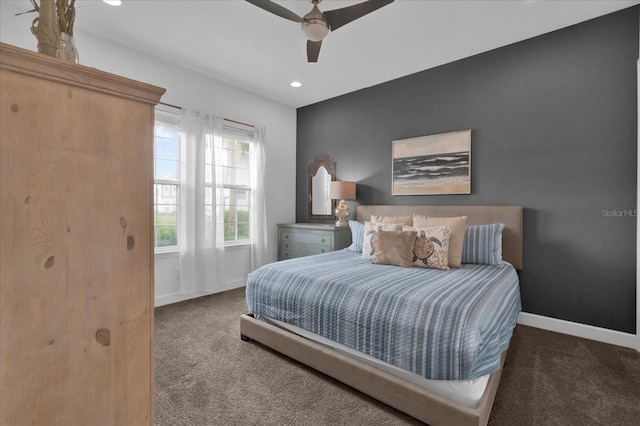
(258, 206)
(199, 221)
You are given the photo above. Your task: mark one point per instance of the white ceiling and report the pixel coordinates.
(248, 47)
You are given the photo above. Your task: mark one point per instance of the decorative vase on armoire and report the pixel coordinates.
(76, 244)
(67, 50)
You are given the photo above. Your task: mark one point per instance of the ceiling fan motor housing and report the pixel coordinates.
(314, 25)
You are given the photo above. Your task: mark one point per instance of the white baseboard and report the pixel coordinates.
(579, 330)
(232, 285)
(168, 299)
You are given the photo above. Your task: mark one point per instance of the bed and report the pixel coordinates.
(389, 344)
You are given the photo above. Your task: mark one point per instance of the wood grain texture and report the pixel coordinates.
(74, 161)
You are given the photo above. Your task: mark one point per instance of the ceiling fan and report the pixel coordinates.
(316, 24)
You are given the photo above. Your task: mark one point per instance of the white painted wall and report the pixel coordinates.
(190, 89)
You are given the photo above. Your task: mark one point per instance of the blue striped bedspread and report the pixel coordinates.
(443, 325)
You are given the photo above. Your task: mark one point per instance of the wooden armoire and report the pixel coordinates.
(76, 244)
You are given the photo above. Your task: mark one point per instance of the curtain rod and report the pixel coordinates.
(225, 119)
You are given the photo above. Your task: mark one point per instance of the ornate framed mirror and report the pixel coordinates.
(321, 172)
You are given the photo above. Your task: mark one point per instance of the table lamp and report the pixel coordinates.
(341, 190)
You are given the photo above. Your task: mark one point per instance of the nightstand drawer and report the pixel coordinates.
(323, 238)
(305, 239)
(307, 248)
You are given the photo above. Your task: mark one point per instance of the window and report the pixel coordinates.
(229, 206)
(166, 181)
(235, 189)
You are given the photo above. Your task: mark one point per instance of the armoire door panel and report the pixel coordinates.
(76, 253)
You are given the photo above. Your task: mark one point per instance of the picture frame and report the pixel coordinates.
(437, 164)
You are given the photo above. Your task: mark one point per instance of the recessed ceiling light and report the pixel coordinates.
(113, 2)
(295, 84)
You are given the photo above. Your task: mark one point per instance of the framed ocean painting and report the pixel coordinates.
(432, 165)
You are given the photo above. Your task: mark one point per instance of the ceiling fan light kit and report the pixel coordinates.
(316, 25)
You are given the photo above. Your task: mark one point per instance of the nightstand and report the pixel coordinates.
(304, 239)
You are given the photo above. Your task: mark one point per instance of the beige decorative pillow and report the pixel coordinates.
(404, 220)
(431, 247)
(457, 233)
(370, 231)
(394, 248)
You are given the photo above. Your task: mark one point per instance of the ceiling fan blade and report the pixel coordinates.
(276, 9)
(339, 17)
(313, 50)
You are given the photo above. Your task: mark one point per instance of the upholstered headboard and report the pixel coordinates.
(510, 216)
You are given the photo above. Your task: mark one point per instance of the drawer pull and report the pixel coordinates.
(322, 251)
(286, 245)
(286, 236)
(323, 240)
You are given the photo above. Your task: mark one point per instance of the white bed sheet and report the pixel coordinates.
(467, 392)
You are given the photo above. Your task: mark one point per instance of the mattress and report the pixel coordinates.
(439, 325)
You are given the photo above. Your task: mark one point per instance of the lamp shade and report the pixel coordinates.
(341, 190)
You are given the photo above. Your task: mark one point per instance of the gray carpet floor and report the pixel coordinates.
(205, 375)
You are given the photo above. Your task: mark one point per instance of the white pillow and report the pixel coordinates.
(431, 248)
(457, 233)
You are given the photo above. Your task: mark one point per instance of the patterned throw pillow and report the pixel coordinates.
(357, 236)
(431, 247)
(483, 244)
(457, 233)
(394, 248)
(370, 231)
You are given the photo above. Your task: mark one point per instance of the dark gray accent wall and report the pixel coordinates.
(554, 123)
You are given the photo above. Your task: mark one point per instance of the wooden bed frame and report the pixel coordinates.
(422, 404)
